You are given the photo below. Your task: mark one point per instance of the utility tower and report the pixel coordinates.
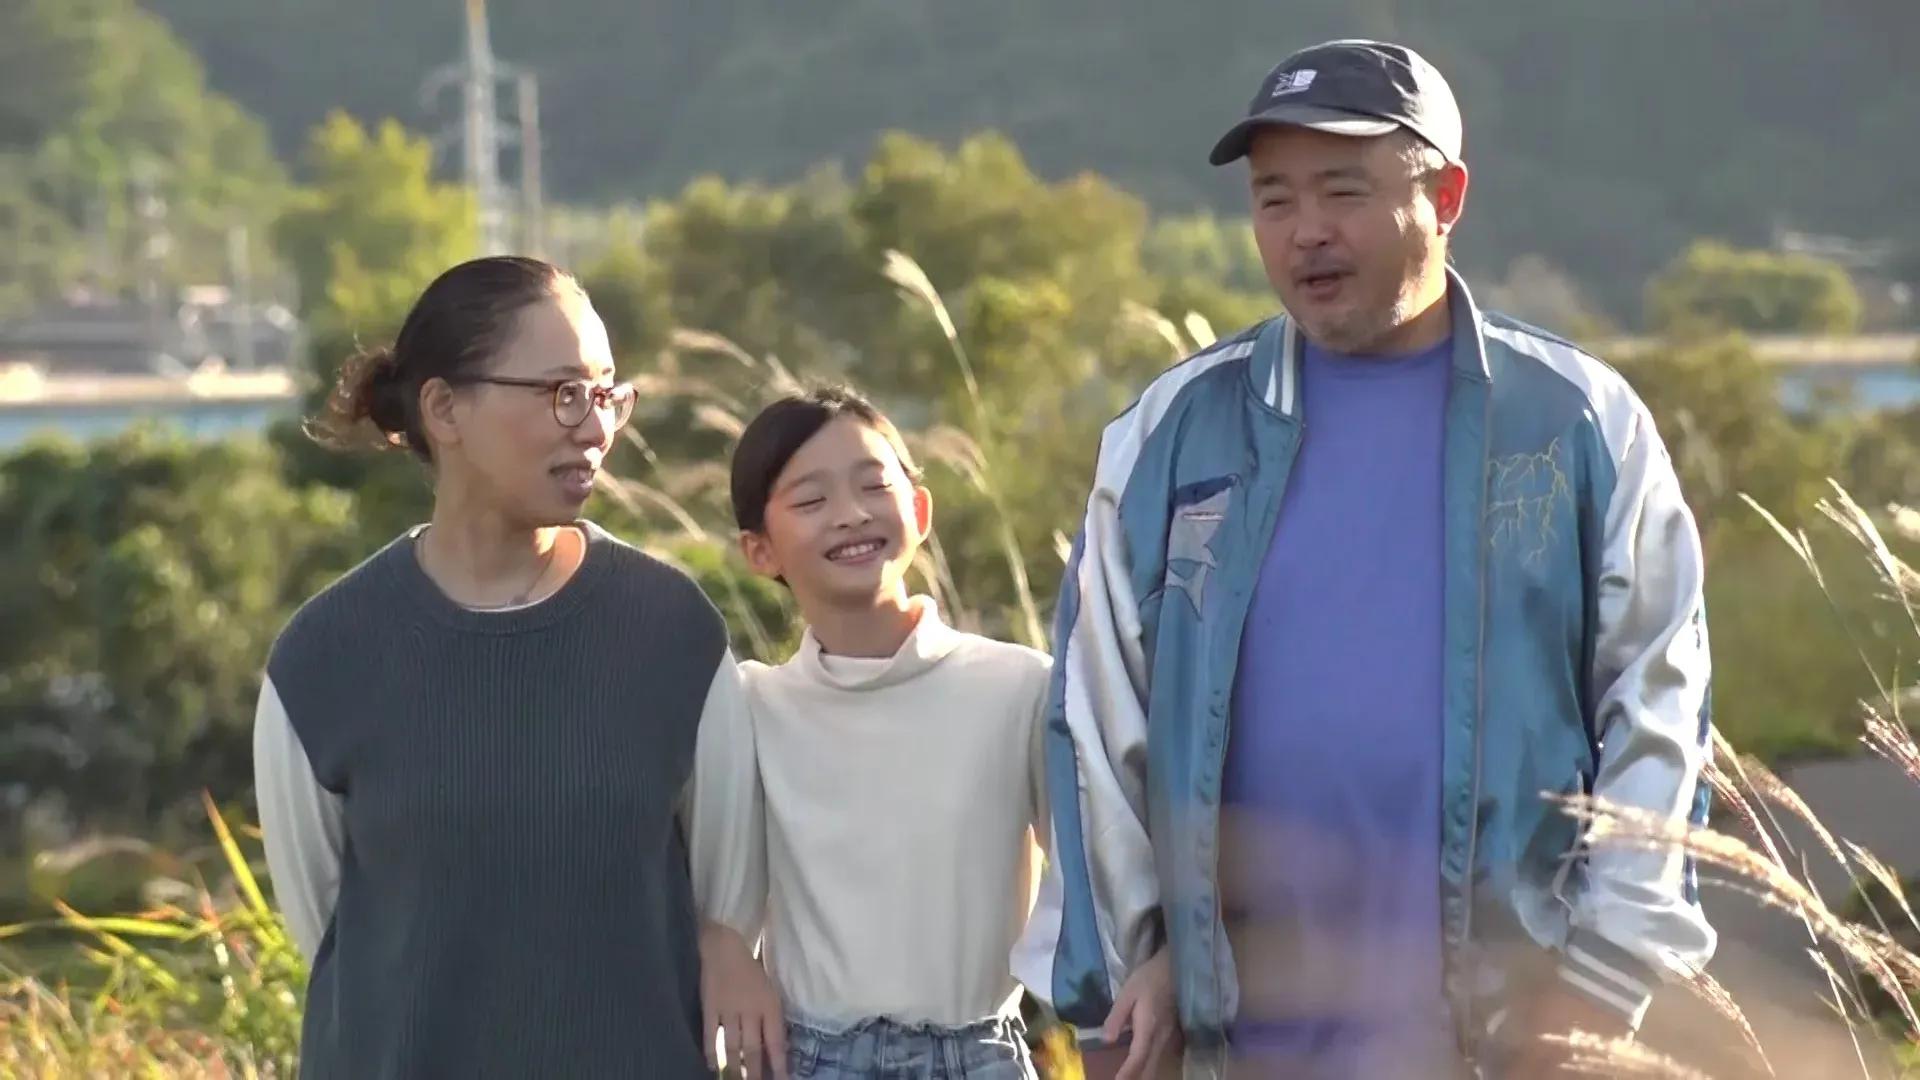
(483, 134)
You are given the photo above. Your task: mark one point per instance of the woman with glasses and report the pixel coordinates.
(502, 762)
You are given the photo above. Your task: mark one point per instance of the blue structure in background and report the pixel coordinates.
(197, 418)
(89, 368)
(1861, 387)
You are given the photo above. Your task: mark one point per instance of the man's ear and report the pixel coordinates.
(1450, 196)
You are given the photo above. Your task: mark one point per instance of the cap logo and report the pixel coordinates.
(1292, 82)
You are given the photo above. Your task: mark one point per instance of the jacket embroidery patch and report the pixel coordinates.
(1523, 492)
(1190, 557)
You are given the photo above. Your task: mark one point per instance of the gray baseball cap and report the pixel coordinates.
(1351, 87)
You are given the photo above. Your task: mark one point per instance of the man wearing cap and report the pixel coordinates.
(1361, 593)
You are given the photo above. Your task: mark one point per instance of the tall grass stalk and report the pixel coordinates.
(1851, 953)
(205, 986)
(914, 283)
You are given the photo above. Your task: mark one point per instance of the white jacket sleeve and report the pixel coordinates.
(304, 825)
(1100, 889)
(725, 810)
(1636, 919)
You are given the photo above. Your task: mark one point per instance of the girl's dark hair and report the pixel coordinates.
(781, 429)
(459, 323)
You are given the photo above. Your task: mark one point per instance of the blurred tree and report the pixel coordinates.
(45, 46)
(40, 252)
(1204, 247)
(1052, 311)
(145, 578)
(108, 129)
(1787, 672)
(630, 294)
(1716, 286)
(1717, 407)
(1536, 291)
(1603, 137)
(367, 233)
(1882, 463)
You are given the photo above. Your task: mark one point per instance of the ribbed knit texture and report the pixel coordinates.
(514, 897)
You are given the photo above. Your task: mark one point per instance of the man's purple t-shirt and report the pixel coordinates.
(1331, 816)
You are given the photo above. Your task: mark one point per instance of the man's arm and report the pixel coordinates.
(1097, 917)
(1637, 920)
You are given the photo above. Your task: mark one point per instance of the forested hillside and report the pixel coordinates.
(1604, 136)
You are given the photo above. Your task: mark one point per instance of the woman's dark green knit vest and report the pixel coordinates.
(514, 898)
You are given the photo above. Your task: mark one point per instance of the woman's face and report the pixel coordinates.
(530, 449)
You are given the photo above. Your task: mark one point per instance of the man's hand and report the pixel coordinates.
(1146, 1008)
(737, 996)
(1557, 1009)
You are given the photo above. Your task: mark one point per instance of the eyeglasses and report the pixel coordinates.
(573, 399)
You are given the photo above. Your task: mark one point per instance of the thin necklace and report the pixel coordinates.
(546, 563)
(526, 594)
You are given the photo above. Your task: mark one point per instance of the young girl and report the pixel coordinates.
(901, 764)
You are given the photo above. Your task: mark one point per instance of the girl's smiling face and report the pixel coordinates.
(843, 521)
